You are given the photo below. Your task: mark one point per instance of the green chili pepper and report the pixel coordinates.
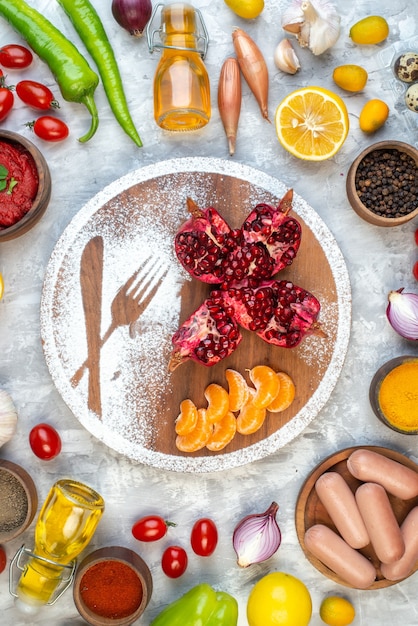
(75, 78)
(88, 25)
(200, 606)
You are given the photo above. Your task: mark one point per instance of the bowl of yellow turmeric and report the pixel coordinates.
(393, 394)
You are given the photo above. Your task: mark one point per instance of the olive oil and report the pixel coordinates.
(181, 82)
(66, 523)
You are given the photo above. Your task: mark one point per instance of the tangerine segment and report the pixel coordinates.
(312, 123)
(200, 435)
(223, 432)
(187, 418)
(250, 418)
(267, 385)
(238, 389)
(218, 402)
(286, 394)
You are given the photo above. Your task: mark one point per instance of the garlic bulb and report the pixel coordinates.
(8, 417)
(315, 23)
(285, 57)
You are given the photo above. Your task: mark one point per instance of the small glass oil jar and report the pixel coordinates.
(66, 523)
(181, 82)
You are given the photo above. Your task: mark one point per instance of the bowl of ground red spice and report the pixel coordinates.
(112, 585)
(25, 185)
(382, 183)
(18, 500)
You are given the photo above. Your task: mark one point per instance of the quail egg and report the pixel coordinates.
(406, 67)
(411, 97)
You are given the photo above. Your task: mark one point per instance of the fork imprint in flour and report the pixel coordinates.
(130, 302)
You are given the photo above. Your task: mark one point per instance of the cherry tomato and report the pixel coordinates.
(50, 128)
(416, 236)
(3, 559)
(15, 57)
(6, 102)
(150, 528)
(45, 441)
(174, 561)
(415, 270)
(204, 537)
(36, 95)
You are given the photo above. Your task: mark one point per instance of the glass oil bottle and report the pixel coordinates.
(181, 82)
(66, 524)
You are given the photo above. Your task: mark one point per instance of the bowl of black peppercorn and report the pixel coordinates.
(382, 183)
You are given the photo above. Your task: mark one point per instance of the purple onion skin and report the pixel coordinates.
(251, 525)
(132, 15)
(402, 313)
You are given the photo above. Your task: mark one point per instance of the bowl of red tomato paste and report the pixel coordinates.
(25, 185)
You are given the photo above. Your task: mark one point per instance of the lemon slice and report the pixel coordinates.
(312, 123)
(1, 286)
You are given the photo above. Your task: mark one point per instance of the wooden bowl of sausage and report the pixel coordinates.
(311, 512)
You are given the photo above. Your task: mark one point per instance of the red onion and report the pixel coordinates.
(257, 537)
(402, 313)
(132, 15)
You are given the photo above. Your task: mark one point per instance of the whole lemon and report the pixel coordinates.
(370, 30)
(279, 599)
(373, 115)
(248, 9)
(350, 77)
(336, 611)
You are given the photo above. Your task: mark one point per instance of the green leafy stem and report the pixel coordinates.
(4, 172)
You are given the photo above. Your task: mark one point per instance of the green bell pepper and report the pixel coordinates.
(225, 612)
(200, 606)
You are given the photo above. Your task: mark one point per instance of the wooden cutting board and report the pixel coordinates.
(140, 214)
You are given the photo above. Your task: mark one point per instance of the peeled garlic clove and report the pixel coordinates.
(315, 23)
(285, 57)
(8, 417)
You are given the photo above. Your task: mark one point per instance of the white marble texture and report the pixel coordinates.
(378, 260)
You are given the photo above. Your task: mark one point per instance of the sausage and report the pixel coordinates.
(350, 565)
(341, 506)
(402, 568)
(380, 521)
(369, 466)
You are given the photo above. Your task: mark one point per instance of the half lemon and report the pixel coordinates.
(312, 123)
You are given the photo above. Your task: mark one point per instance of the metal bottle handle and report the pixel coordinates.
(202, 38)
(17, 563)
